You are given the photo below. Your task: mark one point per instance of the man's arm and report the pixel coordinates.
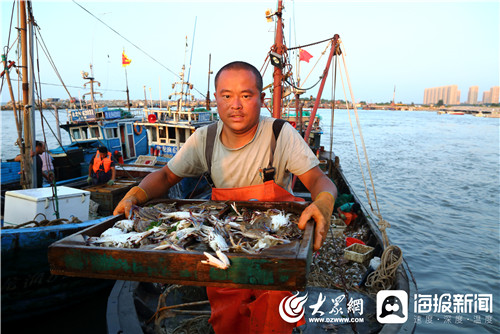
(152, 186)
(323, 192)
(18, 157)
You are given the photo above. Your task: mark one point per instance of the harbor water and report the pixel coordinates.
(437, 183)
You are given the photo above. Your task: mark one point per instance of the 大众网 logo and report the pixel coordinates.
(292, 308)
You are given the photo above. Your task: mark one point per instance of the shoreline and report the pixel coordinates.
(307, 105)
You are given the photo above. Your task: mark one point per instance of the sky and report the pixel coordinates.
(410, 45)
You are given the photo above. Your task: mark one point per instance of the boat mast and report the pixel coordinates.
(278, 48)
(334, 50)
(208, 85)
(91, 82)
(28, 178)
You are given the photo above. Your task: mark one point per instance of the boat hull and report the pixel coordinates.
(131, 304)
(28, 288)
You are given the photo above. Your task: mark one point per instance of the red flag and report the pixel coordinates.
(125, 60)
(304, 55)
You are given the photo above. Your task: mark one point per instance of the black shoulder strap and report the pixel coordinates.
(209, 149)
(270, 171)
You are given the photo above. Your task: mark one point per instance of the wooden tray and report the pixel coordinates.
(282, 267)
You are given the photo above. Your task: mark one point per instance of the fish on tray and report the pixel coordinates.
(202, 227)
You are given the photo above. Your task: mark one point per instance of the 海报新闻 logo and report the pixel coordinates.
(392, 306)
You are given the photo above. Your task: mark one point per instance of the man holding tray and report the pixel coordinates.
(246, 157)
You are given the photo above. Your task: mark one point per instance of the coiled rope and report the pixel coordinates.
(45, 222)
(383, 278)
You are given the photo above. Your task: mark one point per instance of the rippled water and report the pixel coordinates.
(437, 181)
(8, 132)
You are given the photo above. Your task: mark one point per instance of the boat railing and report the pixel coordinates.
(190, 116)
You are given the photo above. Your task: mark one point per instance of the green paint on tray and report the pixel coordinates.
(185, 273)
(106, 263)
(248, 271)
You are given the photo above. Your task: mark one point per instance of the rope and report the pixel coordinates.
(354, 138)
(317, 61)
(383, 278)
(382, 223)
(137, 47)
(305, 45)
(45, 222)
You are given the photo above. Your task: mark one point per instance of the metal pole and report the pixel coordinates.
(126, 82)
(320, 91)
(159, 81)
(278, 74)
(26, 161)
(13, 99)
(56, 111)
(208, 85)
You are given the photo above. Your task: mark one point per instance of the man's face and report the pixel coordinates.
(238, 100)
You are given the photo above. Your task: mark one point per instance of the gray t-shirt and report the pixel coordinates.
(240, 167)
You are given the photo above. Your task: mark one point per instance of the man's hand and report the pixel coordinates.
(89, 179)
(135, 196)
(321, 211)
(111, 182)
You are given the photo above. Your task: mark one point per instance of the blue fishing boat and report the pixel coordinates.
(28, 288)
(338, 272)
(168, 129)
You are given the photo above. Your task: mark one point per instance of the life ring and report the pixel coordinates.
(137, 129)
(293, 124)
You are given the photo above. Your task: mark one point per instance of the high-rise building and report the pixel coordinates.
(486, 97)
(472, 97)
(448, 94)
(494, 94)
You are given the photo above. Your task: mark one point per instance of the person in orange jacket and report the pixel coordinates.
(102, 168)
(241, 151)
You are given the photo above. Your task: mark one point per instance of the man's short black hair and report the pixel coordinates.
(241, 65)
(39, 143)
(103, 149)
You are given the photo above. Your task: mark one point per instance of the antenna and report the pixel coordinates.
(393, 95)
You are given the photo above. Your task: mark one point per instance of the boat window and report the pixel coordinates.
(129, 128)
(154, 135)
(162, 133)
(94, 132)
(111, 133)
(182, 135)
(84, 132)
(75, 133)
(171, 133)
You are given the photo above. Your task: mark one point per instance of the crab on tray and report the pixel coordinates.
(194, 242)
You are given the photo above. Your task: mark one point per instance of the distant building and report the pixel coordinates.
(449, 95)
(491, 96)
(486, 97)
(494, 94)
(472, 97)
